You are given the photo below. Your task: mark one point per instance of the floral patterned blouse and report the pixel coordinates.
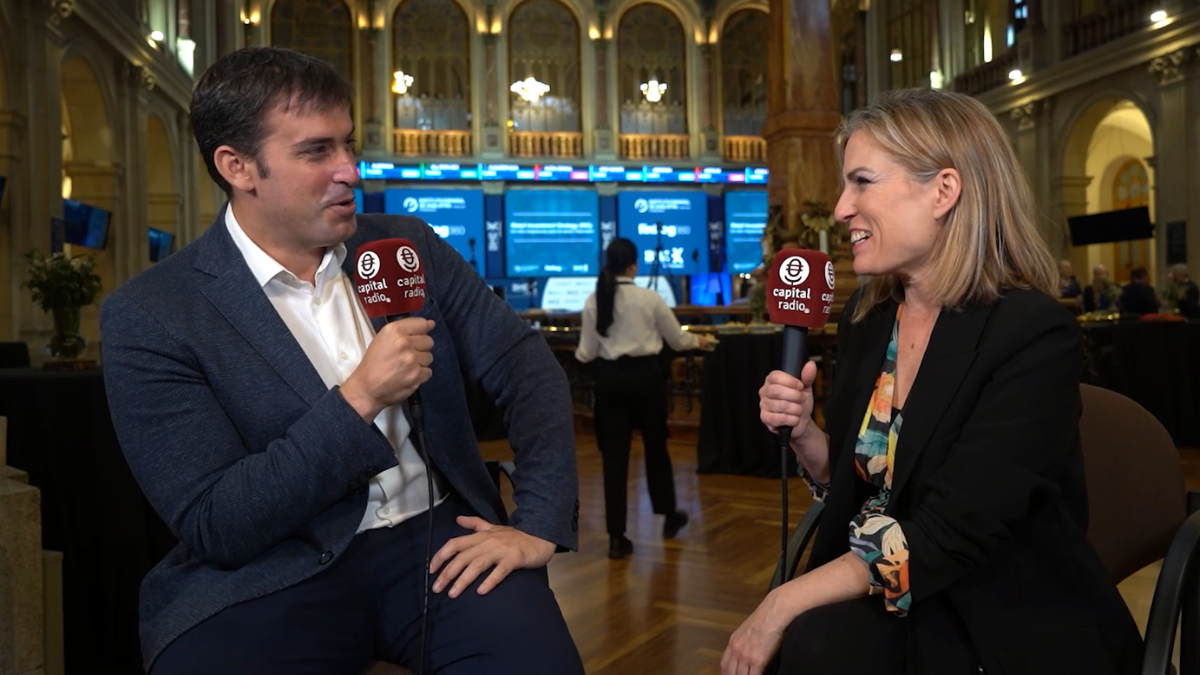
(874, 537)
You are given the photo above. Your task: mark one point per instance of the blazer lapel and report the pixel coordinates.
(867, 357)
(948, 358)
(235, 292)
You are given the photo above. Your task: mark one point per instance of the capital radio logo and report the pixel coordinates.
(407, 257)
(368, 265)
(794, 270)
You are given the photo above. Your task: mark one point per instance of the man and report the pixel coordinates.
(1068, 285)
(263, 414)
(1138, 296)
(1101, 294)
(1181, 293)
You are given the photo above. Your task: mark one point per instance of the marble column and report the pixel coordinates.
(131, 247)
(12, 130)
(494, 130)
(802, 117)
(603, 139)
(1068, 195)
(41, 65)
(1033, 125)
(1177, 136)
(376, 90)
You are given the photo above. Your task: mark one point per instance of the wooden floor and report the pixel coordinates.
(671, 606)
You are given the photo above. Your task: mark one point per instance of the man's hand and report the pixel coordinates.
(396, 362)
(491, 546)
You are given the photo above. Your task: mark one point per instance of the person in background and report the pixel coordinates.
(954, 531)
(1101, 294)
(1181, 293)
(1068, 285)
(624, 327)
(1138, 296)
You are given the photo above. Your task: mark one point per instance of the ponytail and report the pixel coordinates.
(620, 256)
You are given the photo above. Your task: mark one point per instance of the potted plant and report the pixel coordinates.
(63, 285)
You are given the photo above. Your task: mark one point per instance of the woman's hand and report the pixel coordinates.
(754, 642)
(784, 401)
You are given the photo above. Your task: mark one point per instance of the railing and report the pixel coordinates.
(987, 76)
(745, 149)
(545, 144)
(654, 146)
(442, 143)
(1114, 20)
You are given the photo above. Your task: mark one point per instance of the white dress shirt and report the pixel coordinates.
(641, 321)
(334, 331)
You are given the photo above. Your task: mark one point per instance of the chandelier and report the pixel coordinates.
(529, 89)
(401, 82)
(654, 90)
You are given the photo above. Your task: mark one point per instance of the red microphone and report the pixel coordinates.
(799, 296)
(389, 278)
(390, 281)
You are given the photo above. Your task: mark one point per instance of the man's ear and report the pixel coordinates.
(238, 170)
(948, 188)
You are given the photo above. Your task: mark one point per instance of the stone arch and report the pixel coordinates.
(1086, 170)
(726, 9)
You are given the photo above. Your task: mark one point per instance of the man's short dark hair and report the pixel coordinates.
(1139, 274)
(233, 97)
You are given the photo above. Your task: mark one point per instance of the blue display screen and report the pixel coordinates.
(160, 244)
(551, 233)
(745, 218)
(456, 216)
(684, 219)
(85, 225)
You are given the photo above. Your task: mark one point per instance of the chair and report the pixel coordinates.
(495, 468)
(1139, 512)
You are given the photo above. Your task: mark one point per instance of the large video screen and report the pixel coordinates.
(683, 217)
(456, 216)
(745, 218)
(551, 233)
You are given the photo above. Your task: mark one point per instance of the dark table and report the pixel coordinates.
(732, 439)
(1156, 363)
(59, 431)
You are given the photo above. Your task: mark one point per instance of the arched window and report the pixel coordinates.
(320, 28)
(543, 43)
(744, 73)
(651, 51)
(431, 43)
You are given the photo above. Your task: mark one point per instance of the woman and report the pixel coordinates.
(625, 327)
(953, 538)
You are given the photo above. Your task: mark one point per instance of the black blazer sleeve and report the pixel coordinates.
(1013, 447)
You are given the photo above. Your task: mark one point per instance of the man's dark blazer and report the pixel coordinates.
(261, 470)
(988, 489)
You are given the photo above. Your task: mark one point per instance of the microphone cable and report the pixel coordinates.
(785, 436)
(417, 412)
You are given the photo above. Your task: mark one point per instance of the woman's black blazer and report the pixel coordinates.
(989, 491)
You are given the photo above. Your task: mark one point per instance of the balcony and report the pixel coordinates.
(751, 149)
(545, 144)
(654, 146)
(1114, 20)
(987, 76)
(441, 143)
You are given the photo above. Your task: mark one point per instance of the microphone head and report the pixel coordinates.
(800, 288)
(389, 277)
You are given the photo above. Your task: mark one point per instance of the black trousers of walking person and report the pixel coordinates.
(631, 394)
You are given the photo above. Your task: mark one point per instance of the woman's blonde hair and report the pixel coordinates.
(989, 241)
